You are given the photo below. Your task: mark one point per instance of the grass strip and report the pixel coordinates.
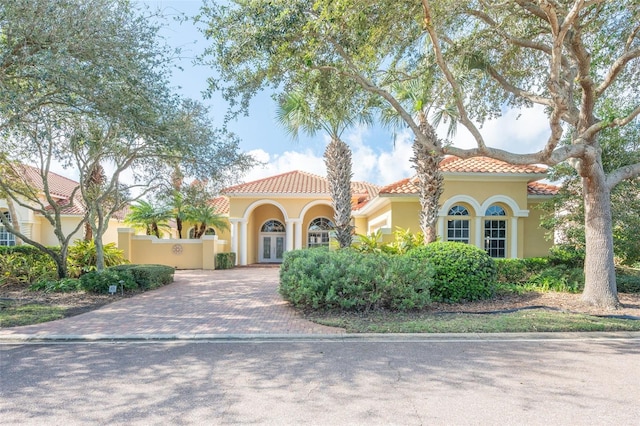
(514, 322)
(13, 314)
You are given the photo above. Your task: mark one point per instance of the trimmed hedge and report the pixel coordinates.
(225, 260)
(147, 277)
(133, 277)
(462, 272)
(349, 280)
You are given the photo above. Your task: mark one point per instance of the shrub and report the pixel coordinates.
(99, 281)
(225, 260)
(462, 272)
(565, 254)
(147, 277)
(350, 280)
(25, 265)
(561, 278)
(518, 271)
(64, 285)
(83, 257)
(628, 280)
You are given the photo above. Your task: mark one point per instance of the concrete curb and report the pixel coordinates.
(372, 338)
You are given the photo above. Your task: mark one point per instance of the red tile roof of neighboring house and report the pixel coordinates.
(296, 183)
(59, 186)
(61, 189)
(453, 164)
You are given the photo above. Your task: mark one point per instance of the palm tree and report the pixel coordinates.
(204, 217)
(418, 98)
(145, 215)
(311, 110)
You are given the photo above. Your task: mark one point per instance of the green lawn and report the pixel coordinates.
(521, 321)
(12, 314)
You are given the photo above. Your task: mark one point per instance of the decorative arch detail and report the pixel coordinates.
(444, 210)
(314, 203)
(503, 199)
(259, 203)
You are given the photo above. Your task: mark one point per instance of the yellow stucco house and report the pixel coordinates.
(36, 227)
(486, 202)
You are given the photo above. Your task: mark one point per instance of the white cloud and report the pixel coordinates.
(376, 166)
(287, 161)
(520, 131)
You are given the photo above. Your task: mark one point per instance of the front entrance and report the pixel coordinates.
(271, 247)
(271, 242)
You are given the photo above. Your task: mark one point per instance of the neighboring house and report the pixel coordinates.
(486, 202)
(36, 227)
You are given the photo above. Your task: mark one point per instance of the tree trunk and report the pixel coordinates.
(337, 158)
(599, 269)
(429, 181)
(179, 226)
(99, 253)
(60, 260)
(88, 232)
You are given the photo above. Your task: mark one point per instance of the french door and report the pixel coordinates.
(271, 247)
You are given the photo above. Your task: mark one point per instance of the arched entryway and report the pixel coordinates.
(271, 243)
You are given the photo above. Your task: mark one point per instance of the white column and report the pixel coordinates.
(441, 234)
(243, 242)
(298, 227)
(234, 238)
(514, 237)
(478, 228)
(289, 243)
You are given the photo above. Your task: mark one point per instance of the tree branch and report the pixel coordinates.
(557, 156)
(626, 172)
(457, 91)
(616, 69)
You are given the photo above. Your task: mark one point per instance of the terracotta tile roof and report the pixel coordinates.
(453, 164)
(537, 188)
(404, 186)
(61, 188)
(221, 204)
(296, 183)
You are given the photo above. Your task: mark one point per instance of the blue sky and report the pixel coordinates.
(376, 157)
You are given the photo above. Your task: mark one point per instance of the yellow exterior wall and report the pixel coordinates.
(406, 214)
(293, 206)
(534, 240)
(178, 253)
(482, 189)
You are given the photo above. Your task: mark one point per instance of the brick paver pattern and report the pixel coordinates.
(234, 301)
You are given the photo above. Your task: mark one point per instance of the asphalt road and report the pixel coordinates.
(391, 380)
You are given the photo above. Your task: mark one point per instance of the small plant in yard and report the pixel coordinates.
(99, 281)
(83, 257)
(64, 285)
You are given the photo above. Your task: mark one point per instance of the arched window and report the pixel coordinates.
(458, 228)
(272, 226)
(209, 231)
(495, 232)
(6, 237)
(319, 232)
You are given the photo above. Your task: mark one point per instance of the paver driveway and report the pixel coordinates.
(224, 302)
